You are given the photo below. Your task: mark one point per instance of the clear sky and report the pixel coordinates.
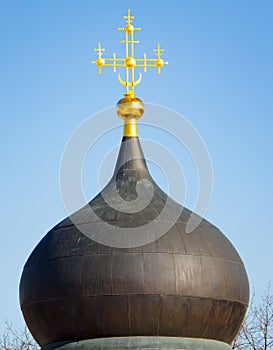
(220, 77)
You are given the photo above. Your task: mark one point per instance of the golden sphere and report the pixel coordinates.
(100, 62)
(129, 28)
(130, 62)
(159, 62)
(130, 107)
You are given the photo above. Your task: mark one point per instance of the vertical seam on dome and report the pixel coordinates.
(202, 272)
(181, 237)
(111, 275)
(175, 275)
(159, 314)
(143, 264)
(129, 314)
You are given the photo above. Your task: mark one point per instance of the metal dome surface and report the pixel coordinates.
(180, 285)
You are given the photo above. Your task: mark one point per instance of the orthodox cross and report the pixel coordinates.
(129, 62)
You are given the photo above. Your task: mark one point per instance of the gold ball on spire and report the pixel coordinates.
(130, 107)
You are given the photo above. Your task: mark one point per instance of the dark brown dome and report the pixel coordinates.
(183, 285)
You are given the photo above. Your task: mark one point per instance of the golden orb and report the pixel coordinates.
(159, 62)
(100, 62)
(129, 28)
(130, 62)
(130, 107)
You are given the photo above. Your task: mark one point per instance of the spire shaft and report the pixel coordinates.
(130, 128)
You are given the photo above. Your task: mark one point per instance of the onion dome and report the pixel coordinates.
(176, 290)
(180, 285)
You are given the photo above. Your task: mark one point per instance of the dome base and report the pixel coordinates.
(152, 343)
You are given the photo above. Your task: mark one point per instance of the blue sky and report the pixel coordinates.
(220, 77)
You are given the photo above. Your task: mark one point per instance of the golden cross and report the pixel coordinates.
(99, 59)
(129, 62)
(129, 17)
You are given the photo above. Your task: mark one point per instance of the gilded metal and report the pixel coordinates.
(130, 109)
(130, 128)
(129, 61)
